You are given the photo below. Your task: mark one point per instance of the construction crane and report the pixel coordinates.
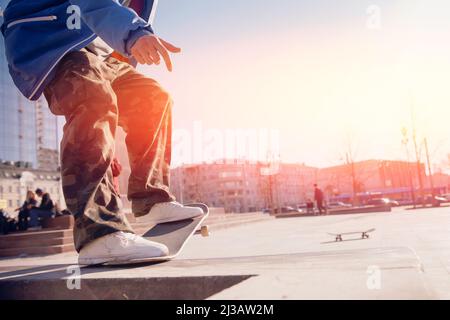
(21, 126)
(40, 153)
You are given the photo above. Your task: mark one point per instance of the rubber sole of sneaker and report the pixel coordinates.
(122, 261)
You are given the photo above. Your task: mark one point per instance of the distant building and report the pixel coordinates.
(29, 141)
(242, 186)
(28, 130)
(232, 186)
(372, 178)
(292, 184)
(17, 178)
(441, 182)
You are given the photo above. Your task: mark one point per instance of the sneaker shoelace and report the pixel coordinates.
(171, 204)
(125, 238)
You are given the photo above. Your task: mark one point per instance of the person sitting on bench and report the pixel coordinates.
(45, 210)
(24, 211)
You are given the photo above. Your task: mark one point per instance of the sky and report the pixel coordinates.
(311, 79)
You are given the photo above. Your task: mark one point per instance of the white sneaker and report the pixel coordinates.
(120, 248)
(172, 211)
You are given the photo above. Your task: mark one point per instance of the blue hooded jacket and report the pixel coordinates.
(39, 33)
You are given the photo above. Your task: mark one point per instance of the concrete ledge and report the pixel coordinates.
(332, 274)
(61, 222)
(216, 210)
(120, 288)
(368, 209)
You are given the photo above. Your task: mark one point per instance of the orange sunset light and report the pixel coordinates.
(319, 84)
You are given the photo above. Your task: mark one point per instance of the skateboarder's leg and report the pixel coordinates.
(145, 114)
(145, 110)
(81, 92)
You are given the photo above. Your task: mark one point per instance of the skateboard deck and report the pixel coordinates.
(364, 234)
(176, 234)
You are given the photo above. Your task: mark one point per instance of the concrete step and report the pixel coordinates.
(28, 251)
(306, 275)
(26, 243)
(238, 222)
(216, 223)
(213, 219)
(235, 216)
(13, 238)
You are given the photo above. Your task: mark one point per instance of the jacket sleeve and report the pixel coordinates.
(112, 22)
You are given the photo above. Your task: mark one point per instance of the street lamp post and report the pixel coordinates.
(405, 143)
(419, 171)
(430, 175)
(354, 191)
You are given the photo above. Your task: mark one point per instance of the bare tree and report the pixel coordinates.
(350, 155)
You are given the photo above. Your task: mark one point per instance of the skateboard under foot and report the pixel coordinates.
(174, 235)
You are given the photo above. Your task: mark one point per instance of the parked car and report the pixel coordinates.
(289, 209)
(383, 202)
(282, 210)
(394, 203)
(439, 200)
(338, 205)
(305, 208)
(302, 206)
(435, 201)
(405, 202)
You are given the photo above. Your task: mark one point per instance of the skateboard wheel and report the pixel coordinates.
(204, 231)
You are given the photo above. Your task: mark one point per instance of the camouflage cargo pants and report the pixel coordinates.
(96, 96)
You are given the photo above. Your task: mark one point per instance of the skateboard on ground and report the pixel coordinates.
(175, 234)
(364, 234)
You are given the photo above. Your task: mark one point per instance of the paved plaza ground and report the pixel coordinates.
(407, 257)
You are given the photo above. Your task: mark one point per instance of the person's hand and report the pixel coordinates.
(149, 49)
